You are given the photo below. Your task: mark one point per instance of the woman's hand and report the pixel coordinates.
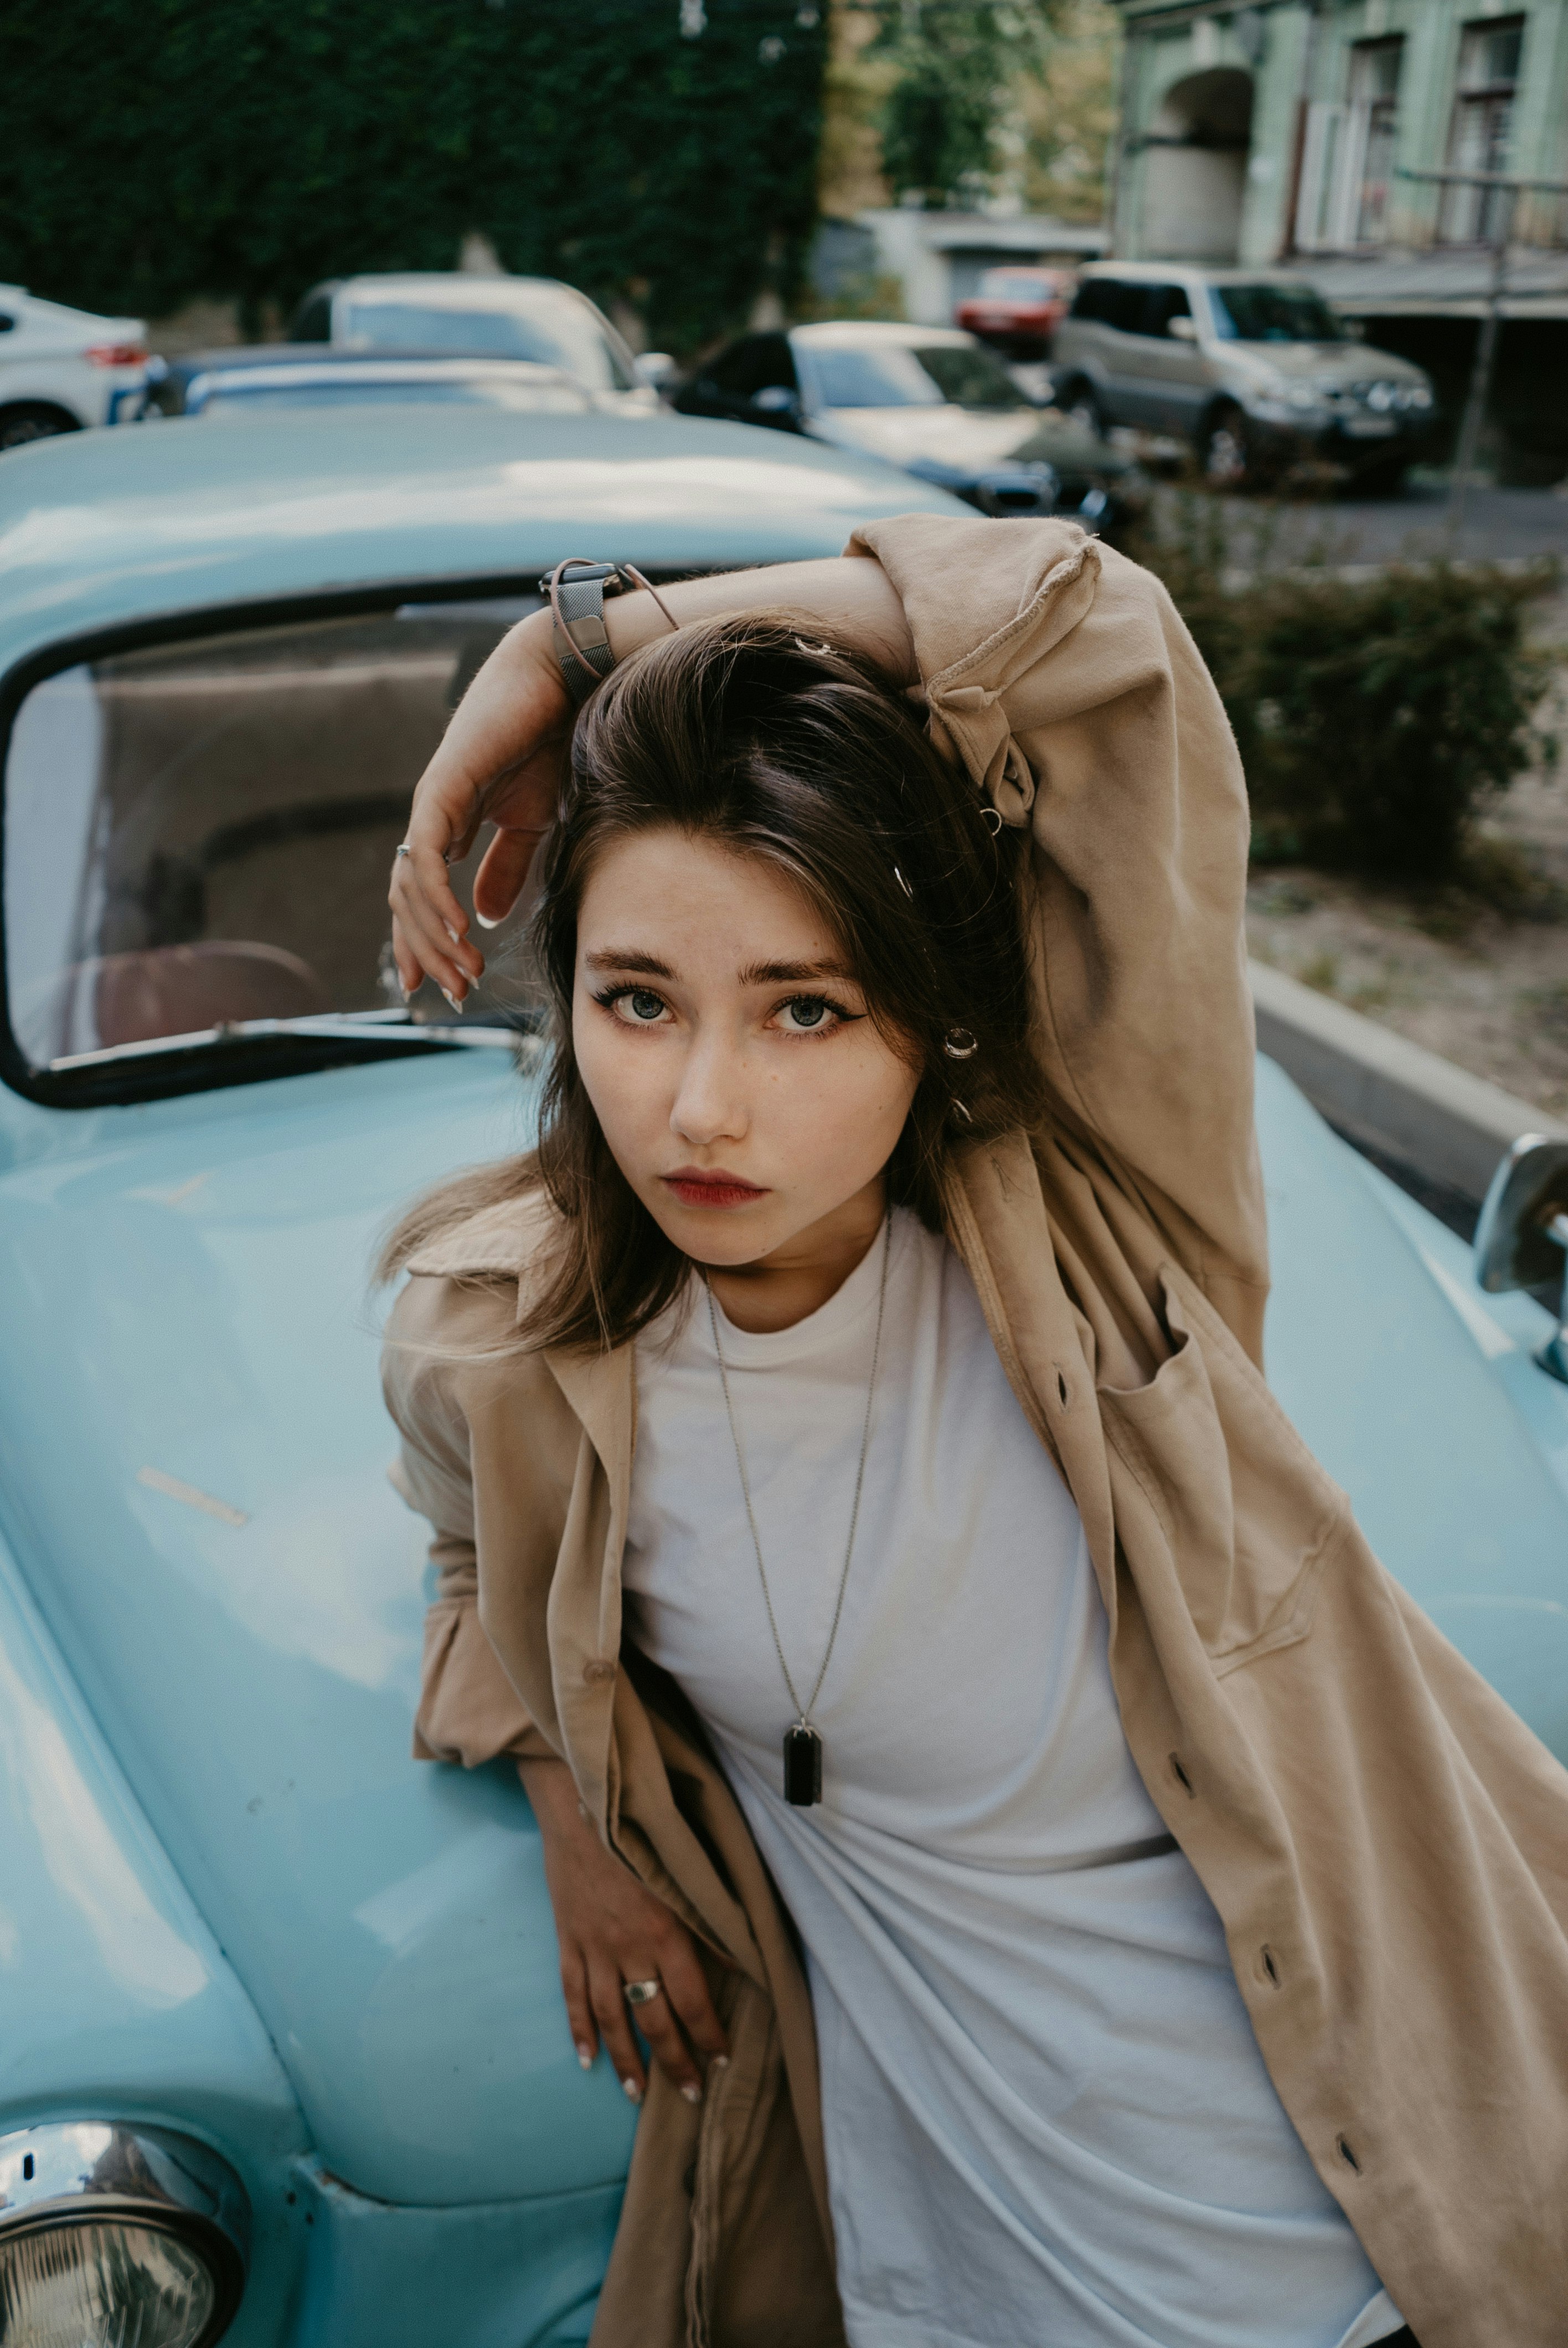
(501, 761)
(612, 1930)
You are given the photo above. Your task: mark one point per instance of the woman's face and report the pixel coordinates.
(743, 1090)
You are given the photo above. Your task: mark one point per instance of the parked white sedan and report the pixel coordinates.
(61, 369)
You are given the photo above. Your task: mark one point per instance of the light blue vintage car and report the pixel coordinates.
(283, 2057)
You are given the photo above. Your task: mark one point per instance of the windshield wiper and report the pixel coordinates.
(330, 1027)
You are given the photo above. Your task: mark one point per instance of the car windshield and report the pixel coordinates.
(895, 375)
(546, 327)
(1273, 314)
(1016, 286)
(351, 390)
(198, 835)
(969, 376)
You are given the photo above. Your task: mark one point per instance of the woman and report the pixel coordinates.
(1072, 1895)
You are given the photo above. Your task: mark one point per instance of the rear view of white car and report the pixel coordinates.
(62, 369)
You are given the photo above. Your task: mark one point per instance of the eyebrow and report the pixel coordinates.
(646, 966)
(756, 974)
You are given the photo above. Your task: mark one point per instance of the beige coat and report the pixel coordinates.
(1384, 1842)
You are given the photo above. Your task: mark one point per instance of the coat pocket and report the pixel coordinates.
(1247, 1512)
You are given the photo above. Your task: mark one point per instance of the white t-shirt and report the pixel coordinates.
(1047, 2124)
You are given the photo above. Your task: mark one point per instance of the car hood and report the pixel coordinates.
(194, 1456)
(971, 441)
(1332, 364)
(192, 1472)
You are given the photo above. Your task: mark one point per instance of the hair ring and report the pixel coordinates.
(959, 1045)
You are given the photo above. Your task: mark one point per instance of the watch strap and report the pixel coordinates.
(577, 590)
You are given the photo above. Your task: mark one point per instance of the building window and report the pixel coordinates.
(1349, 156)
(1478, 141)
(1373, 97)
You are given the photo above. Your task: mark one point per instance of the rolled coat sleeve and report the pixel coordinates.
(1063, 679)
(469, 1712)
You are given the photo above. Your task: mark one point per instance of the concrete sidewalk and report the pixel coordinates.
(1391, 1098)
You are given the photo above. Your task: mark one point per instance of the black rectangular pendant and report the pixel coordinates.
(803, 1766)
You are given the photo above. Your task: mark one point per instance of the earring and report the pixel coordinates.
(959, 1045)
(992, 819)
(960, 1112)
(903, 884)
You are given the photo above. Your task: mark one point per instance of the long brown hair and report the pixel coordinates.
(802, 753)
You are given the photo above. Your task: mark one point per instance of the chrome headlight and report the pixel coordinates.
(110, 2234)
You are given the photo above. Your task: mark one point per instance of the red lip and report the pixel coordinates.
(712, 1186)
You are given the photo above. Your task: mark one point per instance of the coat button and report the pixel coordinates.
(598, 1670)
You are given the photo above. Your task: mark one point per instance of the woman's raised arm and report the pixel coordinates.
(502, 756)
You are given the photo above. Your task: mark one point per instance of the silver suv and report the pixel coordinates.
(1255, 371)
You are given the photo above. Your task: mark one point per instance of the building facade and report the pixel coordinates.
(1280, 136)
(1263, 133)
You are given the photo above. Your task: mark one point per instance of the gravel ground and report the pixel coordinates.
(1486, 989)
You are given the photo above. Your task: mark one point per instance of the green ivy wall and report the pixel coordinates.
(154, 151)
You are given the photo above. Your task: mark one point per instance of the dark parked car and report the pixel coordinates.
(929, 399)
(264, 376)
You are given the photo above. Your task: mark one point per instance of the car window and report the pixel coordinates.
(757, 363)
(1110, 302)
(542, 325)
(1016, 286)
(875, 375)
(1273, 314)
(969, 375)
(1161, 305)
(201, 832)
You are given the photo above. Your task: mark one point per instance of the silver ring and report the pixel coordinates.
(403, 849)
(959, 1045)
(641, 1992)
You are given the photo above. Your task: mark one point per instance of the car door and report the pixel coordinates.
(1171, 364)
(1113, 309)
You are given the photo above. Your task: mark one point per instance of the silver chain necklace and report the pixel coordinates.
(802, 1743)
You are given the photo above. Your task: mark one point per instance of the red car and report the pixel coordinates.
(1017, 309)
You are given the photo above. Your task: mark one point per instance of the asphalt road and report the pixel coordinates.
(1346, 528)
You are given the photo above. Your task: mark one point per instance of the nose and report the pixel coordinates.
(710, 1103)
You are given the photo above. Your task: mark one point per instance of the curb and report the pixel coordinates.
(1405, 1102)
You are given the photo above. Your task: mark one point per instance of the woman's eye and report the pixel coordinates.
(805, 1012)
(639, 1006)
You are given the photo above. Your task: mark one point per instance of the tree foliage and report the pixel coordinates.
(154, 151)
(955, 60)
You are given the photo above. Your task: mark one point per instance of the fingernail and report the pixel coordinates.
(452, 934)
(485, 922)
(634, 2092)
(692, 2093)
(720, 2063)
(585, 2055)
(454, 1002)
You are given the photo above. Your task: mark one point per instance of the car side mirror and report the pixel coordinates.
(654, 368)
(1521, 1239)
(778, 403)
(1181, 330)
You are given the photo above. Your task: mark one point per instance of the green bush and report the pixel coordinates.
(1377, 714)
(153, 151)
